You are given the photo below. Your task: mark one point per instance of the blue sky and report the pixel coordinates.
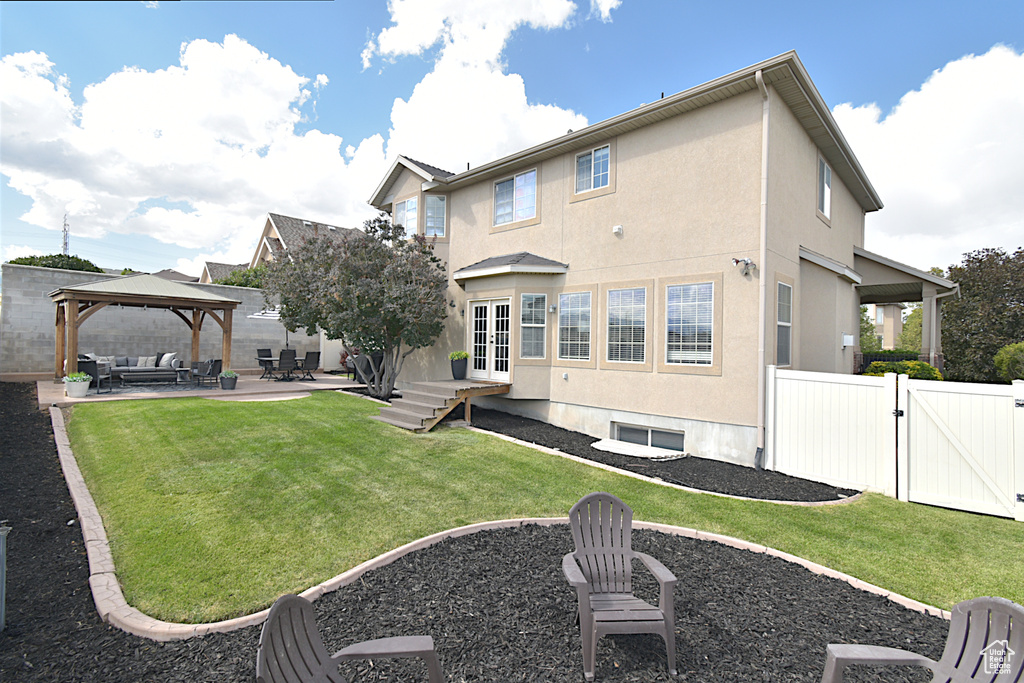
(167, 132)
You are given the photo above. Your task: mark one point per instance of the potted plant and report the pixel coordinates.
(459, 361)
(76, 385)
(228, 379)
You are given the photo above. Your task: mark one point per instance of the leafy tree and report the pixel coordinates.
(910, 338)
(1010, 362)
(988, 314)
(246, 277)
(376, 290)
(60, 261)
(868, 339)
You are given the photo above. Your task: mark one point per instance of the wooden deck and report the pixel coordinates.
(426, 403)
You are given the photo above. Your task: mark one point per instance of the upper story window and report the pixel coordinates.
(532, 325)
(784, 327)
(592, 169)
(627, 324)
(690, 319)
(515, 199)
(436, 207)
(405, 215)
(574, 326)
(824, 189)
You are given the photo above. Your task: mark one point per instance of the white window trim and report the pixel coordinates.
(494, 199)
(608, 175)
(608, 328)
(444, 215)
(780, 323)
(409, 230)
(543, 326)
(590, 341)
(694, 363)
(823, 194)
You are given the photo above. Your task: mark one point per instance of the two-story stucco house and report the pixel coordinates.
(633, 279)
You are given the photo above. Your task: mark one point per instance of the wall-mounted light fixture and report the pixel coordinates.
(451, 304)
(747, 264)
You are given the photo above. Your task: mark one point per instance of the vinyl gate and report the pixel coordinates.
(942, 443)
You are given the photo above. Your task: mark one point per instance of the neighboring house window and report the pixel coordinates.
(690, 317)
(627, 324)
(784, 342)
(879, 316)
(645, 436)
(435, 216)
(405, 215)
(532, 325)
(592, 170)
(574, 326)
(515, 199)
(824, 189)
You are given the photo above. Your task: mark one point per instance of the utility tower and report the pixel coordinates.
(65, 252)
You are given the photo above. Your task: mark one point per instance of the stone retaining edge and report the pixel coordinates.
(115, 610)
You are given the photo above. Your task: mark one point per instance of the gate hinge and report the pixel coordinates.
(1018, 403)
(1020, 497)
(897, 413)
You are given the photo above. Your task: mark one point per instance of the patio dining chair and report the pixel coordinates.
(310, 363)
(206, 371)
(601, 572)
(266, 360)
(985, 643)
(291, 650)
(286, 365)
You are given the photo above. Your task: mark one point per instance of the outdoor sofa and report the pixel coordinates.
(162, 367)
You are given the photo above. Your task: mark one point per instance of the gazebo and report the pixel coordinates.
(193, 305)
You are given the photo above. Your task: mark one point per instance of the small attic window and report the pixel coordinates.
(307, 224)
(331, 227)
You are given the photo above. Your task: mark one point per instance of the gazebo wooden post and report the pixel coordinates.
(72, 335)
(60, 335)
(196, 323)
(225, 344)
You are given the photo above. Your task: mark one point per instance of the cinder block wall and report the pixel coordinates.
(28, 325)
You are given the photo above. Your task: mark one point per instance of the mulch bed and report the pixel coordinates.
(495, 603)
(700, 473)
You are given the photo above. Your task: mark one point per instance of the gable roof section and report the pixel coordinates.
(785, 73)
(430, 175)
(521, 262)
(219, 271)
(294, 231)
(888, 281)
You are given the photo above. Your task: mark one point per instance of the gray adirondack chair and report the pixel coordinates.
(601, 572)
(291, 650)
(985, 643)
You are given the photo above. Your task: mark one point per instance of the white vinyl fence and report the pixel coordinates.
(942, 443)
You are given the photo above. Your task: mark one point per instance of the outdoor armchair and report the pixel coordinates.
(291, 650)
(985, 643)
(286, 365)
(310, 363)
(601, 572)
(206, 371)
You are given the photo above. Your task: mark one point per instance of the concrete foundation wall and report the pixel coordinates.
(28, 325)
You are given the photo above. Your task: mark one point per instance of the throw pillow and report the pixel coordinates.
(166, 360)
(122, 360)
(147, 362)
(133, 361)
(110, 360)
(91, 356)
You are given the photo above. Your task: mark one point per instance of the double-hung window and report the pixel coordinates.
(515, 199)
(574, 326)
(784, 338)
(824, 189)
(532, 325)
(435, 216)
(690, 317)
(627, 325)
(405, 215)
(592, 169)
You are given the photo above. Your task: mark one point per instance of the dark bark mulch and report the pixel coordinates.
(495, 603)
(698, 473)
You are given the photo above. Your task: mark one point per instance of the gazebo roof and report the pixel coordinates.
(144, 290)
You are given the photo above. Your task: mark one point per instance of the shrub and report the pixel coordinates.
(246, 277)
(458, 355)
(60, 261)
(915, 369)
(1009, 361)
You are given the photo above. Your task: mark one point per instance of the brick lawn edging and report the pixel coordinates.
(115, 610)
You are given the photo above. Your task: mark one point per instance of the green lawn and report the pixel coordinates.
(213, 509)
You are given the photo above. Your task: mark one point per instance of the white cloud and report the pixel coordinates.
(13, 251)
(948, 161)
(603, 8)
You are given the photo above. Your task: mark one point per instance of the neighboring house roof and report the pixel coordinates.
(785, 73)
(521, 262)
(169, 274)
(219, 271)
(431, 175)
(291, 232)
(893, 281)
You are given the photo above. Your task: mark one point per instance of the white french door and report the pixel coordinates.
(490, 339)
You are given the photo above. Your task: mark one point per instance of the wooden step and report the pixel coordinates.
(428, 389)
(414, 426)
(419, 408)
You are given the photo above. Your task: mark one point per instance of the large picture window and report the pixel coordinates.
(824, 189)
(532, 325)
(405, 215)
(784, 337)
(690, 319)
(627, 325)
(435, 216)
(574, 326)
(515, 199)
(592, 170)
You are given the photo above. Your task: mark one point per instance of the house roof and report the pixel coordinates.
(142, 289)
(295, 231)
(521, 262)
(785, 73)
(893, 282)
(169, 274)
(219, 271)
(430, 174)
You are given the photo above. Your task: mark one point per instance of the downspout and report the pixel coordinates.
(761, 274)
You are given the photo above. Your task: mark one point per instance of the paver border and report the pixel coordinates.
(115, 610)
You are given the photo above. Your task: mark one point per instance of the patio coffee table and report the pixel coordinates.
(184, 376)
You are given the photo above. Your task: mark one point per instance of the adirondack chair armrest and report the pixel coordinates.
(841, 656)
(574, 575)
(400, 646)
(660, 571)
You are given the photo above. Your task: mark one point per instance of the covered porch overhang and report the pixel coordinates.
(884, 281)
(75, 304)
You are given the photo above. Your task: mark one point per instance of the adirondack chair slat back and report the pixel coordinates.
(291, 650)
(983, 633)
(601, 529)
